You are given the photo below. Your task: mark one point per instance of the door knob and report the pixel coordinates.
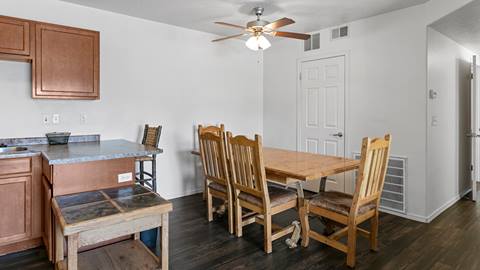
(339, 134)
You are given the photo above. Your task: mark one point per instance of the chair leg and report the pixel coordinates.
(351, 244)
(267, 231)
(209, 206)
(238, 219)
(305, 225)
(374, 232)
(231, 222)
(205, 190)
(142, 170)
(154, 174)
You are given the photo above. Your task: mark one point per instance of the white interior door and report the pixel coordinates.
(475, 129)
(321, 113)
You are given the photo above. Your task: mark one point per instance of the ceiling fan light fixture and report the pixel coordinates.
(258, 42)
(263, 43)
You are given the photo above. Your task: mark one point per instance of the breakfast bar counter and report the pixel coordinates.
(76, 152)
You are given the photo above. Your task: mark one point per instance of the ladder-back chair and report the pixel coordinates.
(215, 169)
(210, 129)
(252, 192)
(351, 210)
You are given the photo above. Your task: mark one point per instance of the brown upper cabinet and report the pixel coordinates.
(14, 36)
(65, 60)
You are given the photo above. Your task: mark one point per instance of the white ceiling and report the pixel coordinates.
(310, 15)
(463, 26)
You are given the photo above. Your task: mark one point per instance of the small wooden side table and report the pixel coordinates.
(89, 218)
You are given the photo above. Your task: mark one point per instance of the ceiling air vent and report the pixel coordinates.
(313, 43)
(340, 32)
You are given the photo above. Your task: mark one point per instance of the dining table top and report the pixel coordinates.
(288, 166)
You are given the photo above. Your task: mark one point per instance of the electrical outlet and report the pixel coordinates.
(56, 119)
(46, 120)
(124, 177)
(83, 118)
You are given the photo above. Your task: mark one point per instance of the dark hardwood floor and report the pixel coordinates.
(452, 241)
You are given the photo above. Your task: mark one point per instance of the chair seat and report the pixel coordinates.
(218, 187)
(144, 158)
(278, 196)
(338, 202)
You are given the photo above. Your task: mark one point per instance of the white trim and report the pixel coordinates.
(433, 215)
(447, 205)
(407, 216)
(184, 194)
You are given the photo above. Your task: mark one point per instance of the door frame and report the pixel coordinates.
(319, 56)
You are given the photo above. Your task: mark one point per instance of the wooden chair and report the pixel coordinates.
(151, 137)
(351, 210)
(251, 190)
(214, 162)
(210, 129)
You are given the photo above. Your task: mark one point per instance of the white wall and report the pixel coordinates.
(447, 148)
(385, 89)
(386, 92)
(150, 73)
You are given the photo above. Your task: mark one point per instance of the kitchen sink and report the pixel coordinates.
(13, 149)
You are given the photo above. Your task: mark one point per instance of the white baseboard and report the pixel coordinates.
(447, 205)
(187, 193)
(434, 214)
(407, 216)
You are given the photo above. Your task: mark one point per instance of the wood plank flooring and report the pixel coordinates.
(452, 241)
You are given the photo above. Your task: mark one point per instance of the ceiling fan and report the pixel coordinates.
(256, 29)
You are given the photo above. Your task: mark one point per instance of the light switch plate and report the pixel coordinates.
(83, 118)
(124, 177)
(56, 118)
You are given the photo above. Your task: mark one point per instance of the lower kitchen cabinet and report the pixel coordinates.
(20, 222)
(16, 221)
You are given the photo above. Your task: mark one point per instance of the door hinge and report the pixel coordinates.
(471, 76)
(471, 168)
(300, 76)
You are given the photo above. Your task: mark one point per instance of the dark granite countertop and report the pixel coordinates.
(77, 152)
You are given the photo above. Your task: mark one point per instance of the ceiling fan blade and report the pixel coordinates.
(229, 37)
(231, 25)
(290, 35)
(279, 23)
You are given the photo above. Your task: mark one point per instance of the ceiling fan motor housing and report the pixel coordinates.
(257, 24)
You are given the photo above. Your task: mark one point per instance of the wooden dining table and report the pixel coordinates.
(292, 167)
(288, 167)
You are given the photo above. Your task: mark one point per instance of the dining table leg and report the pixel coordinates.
(293, 240)
(299, 186)
(323, 184)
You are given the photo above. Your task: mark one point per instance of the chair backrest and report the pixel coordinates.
(214, 159)
(247, 167)
(211, 129)
(373, 167)
(151, 136)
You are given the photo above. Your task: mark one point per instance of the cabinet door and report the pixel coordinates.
(47, 218)
(66, 63)
(14, 36)
(16, 209)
